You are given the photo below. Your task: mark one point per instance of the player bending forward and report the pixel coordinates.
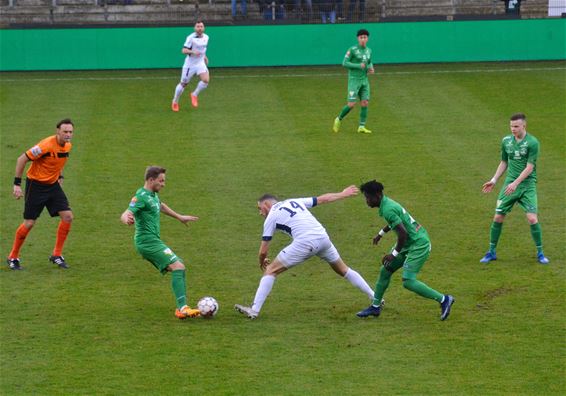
(309, 239)
(196, 62)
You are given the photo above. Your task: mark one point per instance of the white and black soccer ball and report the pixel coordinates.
(208, 307)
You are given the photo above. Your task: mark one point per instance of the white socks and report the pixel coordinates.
(357, 280)
(178, 92)
(263, 290)
(200, 86)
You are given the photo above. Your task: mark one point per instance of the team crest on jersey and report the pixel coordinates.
(36, 150)
(168, 252)
(133, 202)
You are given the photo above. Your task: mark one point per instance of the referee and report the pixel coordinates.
(43, 189)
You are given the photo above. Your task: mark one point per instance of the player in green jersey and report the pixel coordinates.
(411, 251)
(358, 62)
(144, 211)
(519, 152)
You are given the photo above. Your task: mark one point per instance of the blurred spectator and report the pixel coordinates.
(327, 10)
(352, 9)
(512, 7)
(243, 7)
(299, 12)
(272, 9)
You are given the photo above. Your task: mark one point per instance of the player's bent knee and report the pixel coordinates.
(499, 218)
(176, 266)
(532, 218)
(29, 224)
(408, 284)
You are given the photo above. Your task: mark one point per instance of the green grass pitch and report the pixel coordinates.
(106, 326)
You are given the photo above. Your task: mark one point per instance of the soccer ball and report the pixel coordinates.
(208, 307)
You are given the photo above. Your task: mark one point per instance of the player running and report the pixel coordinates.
(43, 189)
(292, 217)
(358, 62)
(519, 152)
(196, 62)
(411, 251)
(144, 210)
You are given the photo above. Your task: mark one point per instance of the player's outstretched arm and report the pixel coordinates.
(182, 218)
(380, 234)
(127, 217)
(488, 185)
(349, 191)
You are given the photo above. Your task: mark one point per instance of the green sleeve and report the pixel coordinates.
(393, 220)
(136, 204)
(503, 152)
(533, 153)
(349, 65)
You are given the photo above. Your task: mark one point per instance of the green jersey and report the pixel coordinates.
(517, 155)
(395, 214)
(146, 207)
(355, 56)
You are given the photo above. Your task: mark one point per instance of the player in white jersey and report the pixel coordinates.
(292, 217)
(196, 62)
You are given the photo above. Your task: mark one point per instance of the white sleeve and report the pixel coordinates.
(308, 202)
(269, 227)
(189, 42)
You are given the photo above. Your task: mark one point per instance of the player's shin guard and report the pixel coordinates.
(494, 234)
(536, 233)
(178, 92)
(62, 232)
(344, 112)
(200, 87)
(363, 115)
(356, 279)
(381, 285)
(422, 289)
(21, 234)
(263, 290)
(178, 284)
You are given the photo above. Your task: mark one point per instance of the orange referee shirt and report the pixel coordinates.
(48, 160)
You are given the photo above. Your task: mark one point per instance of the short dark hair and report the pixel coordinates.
(267, 197)
(371, 187)
(64, 121)
(362, 32)
(518, 116)
(153, 172)
(199, 21)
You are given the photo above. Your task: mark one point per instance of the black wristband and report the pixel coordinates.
(17, 181)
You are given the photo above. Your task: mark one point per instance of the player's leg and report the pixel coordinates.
(504, 205)
(35, 198)
(180, 88)
(204, 76)
(529, 203)
(266, 283)
(413, 263)
(381, 286)
(179, 288)
(351, 100)
(364, 94)
(58, 205)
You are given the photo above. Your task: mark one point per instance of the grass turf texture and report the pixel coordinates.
(106, 326)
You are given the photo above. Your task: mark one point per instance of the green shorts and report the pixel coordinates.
(526, 196)
(412, 260)
(358, 89)
(158, 254)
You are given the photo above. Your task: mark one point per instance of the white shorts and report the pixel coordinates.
(300, 251)
(189, 71)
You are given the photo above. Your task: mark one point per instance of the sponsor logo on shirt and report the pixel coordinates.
(168, 252)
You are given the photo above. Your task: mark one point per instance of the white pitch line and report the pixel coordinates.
(507, 70)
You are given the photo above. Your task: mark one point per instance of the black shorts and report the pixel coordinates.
(39, 196)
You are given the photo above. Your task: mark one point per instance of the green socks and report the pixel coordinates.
(494, 233)
(344, 112)
(422, 289)
(381, 286)
(536, 233)
(363, 116)
(178, 284)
